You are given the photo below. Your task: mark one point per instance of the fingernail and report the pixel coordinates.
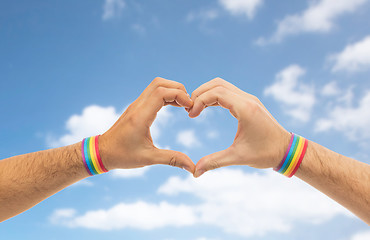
(199, 173)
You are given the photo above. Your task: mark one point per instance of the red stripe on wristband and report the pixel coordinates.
(300, 158)
(98, 155)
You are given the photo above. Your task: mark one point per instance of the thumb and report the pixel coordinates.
(215, 160)
(172, 158)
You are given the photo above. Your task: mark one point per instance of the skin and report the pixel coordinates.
(28, 179)
(261, 142)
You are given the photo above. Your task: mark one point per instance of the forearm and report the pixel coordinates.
(343, 179)
(28, 179)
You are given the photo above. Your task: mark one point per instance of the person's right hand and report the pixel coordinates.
(260, 140)
(128, 143)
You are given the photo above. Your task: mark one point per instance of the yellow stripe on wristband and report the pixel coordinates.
(94, 159)
(295, 157)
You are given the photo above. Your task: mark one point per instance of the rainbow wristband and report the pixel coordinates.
(91, 157)
(293, 156)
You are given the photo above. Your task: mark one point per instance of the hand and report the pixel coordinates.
(260, 140)
(128, 143)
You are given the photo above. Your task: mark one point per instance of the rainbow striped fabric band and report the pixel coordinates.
(91, 157)
(293, 156)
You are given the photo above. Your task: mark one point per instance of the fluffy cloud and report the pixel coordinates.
(94, 120)
(361, 236)
(188, 138)
(139, 215)
(112, 9)
(251, 204)
(61, 214)
(241, 7)
(297, 98)
(246, 204)
(355, 57)
(351, 120)
(318, 17)
(162, 120)
(330, 89)
(129, 173)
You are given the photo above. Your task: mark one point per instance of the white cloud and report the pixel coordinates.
(361, 236)
(129, 173)
(94, 120)
(188, 138)
(296, 97)
(246, 204)
(353, 121)
(355, 57)
(331, 89)
(112, 9)
(60, 215)
(251, 204)
(162, 120)
(241, 7)
(319, 17)
(138, 215)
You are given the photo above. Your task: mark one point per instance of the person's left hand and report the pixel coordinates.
(260, 141)
(128, 143)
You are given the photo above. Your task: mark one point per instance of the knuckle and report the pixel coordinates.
(173, 159)
(160, 91)
(219, 80)
(133, 119)
(157, 81)
(181, 86)
(213, 164)
(252, 107)
(194, 95)
(255, 99)
(219, 90)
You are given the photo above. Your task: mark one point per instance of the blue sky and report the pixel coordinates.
(68, 69)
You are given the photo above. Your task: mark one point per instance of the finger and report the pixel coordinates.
(161, 82)
(160, 97)
(172, 158)
(175, 104)
(216, 82)
(212, 84)
(169, 95)
(216, 96)
(215, 160)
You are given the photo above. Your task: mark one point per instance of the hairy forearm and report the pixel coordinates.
(343, 179)
(28, 179)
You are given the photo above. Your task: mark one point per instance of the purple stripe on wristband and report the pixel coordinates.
(286, 154)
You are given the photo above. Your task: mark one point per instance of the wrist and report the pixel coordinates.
(293, 156)
(105, 154)
(91, 156)
(283, 144)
